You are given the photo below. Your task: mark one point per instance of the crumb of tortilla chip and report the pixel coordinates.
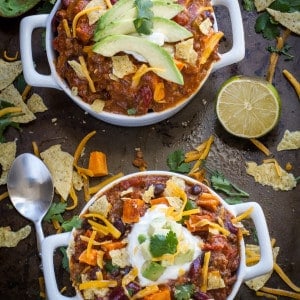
(36, 104)
(8, 154)
(9, 238)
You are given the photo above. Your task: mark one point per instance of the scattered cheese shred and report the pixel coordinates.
(280, 292)
(159, 92)
(86, 73)
(285, 278)
(108, 3)
(26, 92)
(90, 243)
(276, 165)
(203, 287)
(242, 216)
(261, 147)
(293, 81)
(148, 290)
(99, 227)
(35, 149)
(10, 110)
(80, 14)
(96, 188)
(10, 58)
(74, 198)
(213, 225)
(3, 196)
(129, 277)
(267, 295)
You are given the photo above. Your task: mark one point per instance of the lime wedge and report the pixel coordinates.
(248, 107)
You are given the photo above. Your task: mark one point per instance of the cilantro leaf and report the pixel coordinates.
(162, 244)
(283, 51)
(143, 23)
(266, 26)
(110, 267)
(184, 291)
(75, 222)
(55, 211)
(248, 5)
(220, 183)
(65, 260)
(175, 162)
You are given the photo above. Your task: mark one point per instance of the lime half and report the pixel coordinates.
(248, 107)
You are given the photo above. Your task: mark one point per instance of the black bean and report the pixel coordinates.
(158, 189)
(196, 189)
(120, 226)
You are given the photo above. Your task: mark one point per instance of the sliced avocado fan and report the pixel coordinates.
(15, 8)
(156, 56)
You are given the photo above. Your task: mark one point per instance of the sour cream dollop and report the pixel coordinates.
(136, 257)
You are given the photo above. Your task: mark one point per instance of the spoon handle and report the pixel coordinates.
(39, 235)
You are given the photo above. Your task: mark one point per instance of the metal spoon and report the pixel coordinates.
(30, 188)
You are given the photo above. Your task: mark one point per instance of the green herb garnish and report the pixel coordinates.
(141, 238)
(75, 222)
(55, 211)
(65, 260)
(175, 162)
(163, 244)
(184, 291)
(220, 183)
(110, 267)
(283, 51)
(143, 23)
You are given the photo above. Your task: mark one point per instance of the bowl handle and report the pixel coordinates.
(265, 263)
(49, 245)
(237, 52)
(32, 77)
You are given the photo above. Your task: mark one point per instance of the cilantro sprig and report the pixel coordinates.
(162, 244)
(220, 183)
(184, 291)
(55, 214)
(283, 51)
(143, 23)
(176, 163)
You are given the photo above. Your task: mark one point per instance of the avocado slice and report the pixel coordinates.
(172, 31)
(152, 270)
(126, 9)
(156, 56)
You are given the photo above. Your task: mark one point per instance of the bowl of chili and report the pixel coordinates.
(115, 79)
(157, 233)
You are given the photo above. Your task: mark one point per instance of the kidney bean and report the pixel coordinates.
(117, 294)
(196, 189)
(158, 189)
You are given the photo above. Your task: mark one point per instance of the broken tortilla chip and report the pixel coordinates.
(262, 4)
(258, 282)
(290, 141)
(288, 20)
(12, 95)
(266, 174)
(60, 165)
(8, 154)
(9, 238)
(36, 104)
(9, 71)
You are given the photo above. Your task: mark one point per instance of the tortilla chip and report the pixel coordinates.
(215, 281)
(290, 141)
(266, 174)
(9, 238)
(77, 181)
(76, 66)
(288, 20)
(12, 95)
(258, 282)
(98, 105)
(60, 165)
(94, 15)
(8, 154)
(9, 71)
(262, 4)
(36, 104)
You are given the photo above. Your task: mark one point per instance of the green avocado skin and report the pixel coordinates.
(156, 56)
(15, 8)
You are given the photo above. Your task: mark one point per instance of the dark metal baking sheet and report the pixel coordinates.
(66, 124)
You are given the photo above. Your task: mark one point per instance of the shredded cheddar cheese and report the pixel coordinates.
(211, 43)
(280, 292)
(74, 198)
(293, 81)
(87, 74)
(90, 243)
(26, 92)
(35, 149)
(95, 189)
(261, 147)
(276, 165)
(242, 216)
(99, 227)
(10, 110)
(203, 287)
(148, 290)
(285, 278)
(3, 196)
(80, 14)
(140, 72)
(108, 3)
(100, 284)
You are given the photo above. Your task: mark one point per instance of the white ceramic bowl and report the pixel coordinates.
(265, 264)
(32, 77)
